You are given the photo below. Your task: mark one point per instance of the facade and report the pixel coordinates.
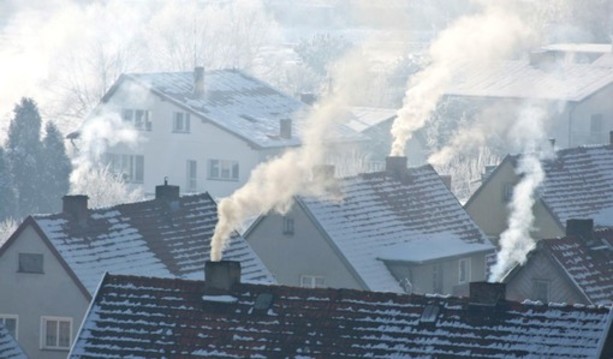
(154, 317)
(577, 185)
(577, 268)
(51, 266)
(9, 349)
(207, 130)
(398, 230)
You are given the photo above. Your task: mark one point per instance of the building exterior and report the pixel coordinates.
(207, 130)
(51, 266)
(398, 230)
(577, 268)
(149, 317)
(578, 183)
(9, 349)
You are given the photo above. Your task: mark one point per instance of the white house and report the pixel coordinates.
(205, 131)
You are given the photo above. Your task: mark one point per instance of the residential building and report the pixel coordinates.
(577, 268)
(398, 230)
(148, 317)
(51, 266)
(578, 183)
(9, 349)
(207, 130)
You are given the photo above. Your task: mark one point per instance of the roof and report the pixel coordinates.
(580, 47)
(155, 317)
(9, 349)
(237, 103)
(363, 118)
(572, 82)
(145, 238)
(432, 247)
(379, 212)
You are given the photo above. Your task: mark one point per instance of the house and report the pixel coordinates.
(146, 317)
(9, 349)
(577, 268)
(574, 82)
(396, 230)
(51, 266)
(210, 129)
(578, 184)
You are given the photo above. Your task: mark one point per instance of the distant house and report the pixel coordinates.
(578, 184)
(573, 81)
(577, 268)
(147, 317)
(51, 266)
(396, 230)
(9, 349)
(209, 130)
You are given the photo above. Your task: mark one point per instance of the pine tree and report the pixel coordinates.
(23, 152)
(7, 192)
(56, 169)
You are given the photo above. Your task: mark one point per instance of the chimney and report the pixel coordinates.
(199, 81)
(486, 294)
(76, 207)
(581, 228)
(396, 167)
(167, 192)
(447, 181)
(610, 137)
(221, 276)
(285, 128)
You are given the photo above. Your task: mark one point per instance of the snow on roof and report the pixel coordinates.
(239, 104)
(580, 47)
(153, 317)
(363, 118)
(518, 79)
(378, 212)
(146, 238)
(9, 349)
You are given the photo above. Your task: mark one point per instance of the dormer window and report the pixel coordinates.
(140, 119)
(181, 122)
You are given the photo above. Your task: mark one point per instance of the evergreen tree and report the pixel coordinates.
(55, 170)
(7, 192)
(23, 152)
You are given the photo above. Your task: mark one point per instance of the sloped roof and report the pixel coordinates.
(363, 118)
(378, 212)
(9, 349)
(146, 238)
(236, 102)
(572, 82)
(154, 317)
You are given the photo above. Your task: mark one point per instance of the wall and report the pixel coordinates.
(31, 295)
(580, 118)
(304, 252)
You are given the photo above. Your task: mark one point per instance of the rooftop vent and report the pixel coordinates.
(430, 313)
(487, 294)
(76, 207)
(263, 302)
(199, 81)
(221, 276)
(396, 167)
(285, 128)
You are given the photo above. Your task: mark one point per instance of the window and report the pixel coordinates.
(507, 192)
(464, 270)
(181, 122)
(437, 278)
(30, 263)
(130, 167)
(311, 281)
(540, 290)
(288, 226)
(223, 170)
(56, 332)
(596, 128)
(11, 323)
(192, 175)
(140, 119)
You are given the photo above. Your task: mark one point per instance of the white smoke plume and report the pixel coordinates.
(473, 42)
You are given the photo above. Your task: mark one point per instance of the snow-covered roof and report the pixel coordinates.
(518, 79)
(145, 238)
(236, 102)
(9, 349)
(580, 47)
(363, 118)
(156, 317)
(379, 212)
(432, 247)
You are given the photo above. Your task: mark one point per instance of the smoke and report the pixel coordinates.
(473, 42)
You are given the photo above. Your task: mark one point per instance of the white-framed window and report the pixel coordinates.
(140, 119)
(311, 281)
(464, 270)
(288, 225)
(437, 278)
(540, 290)
(192, 175)
(130, 167)
(223, 170)
(56, 332)
(11, 323)
(30, 263)
(181, 122)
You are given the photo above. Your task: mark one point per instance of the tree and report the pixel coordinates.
(322, 50)
(56, 169)
(104, 188)
(7, 192)
(23, 152)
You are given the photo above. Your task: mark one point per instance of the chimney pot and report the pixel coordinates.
(199, 81)
(285, 128)
(487, 294)
(76, 206)
(221, 276)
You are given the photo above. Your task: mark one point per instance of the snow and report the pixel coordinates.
(220, 298)
(604, 217)
(432, 246)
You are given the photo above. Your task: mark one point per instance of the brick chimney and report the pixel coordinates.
(486, 294)
(167, 192)
(76, 207)
(285, 128)
(582, 229)
(396, 167)
(221, 276)
(199, 82)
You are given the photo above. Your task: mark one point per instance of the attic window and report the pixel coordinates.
(30, 263)
(430, 313)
